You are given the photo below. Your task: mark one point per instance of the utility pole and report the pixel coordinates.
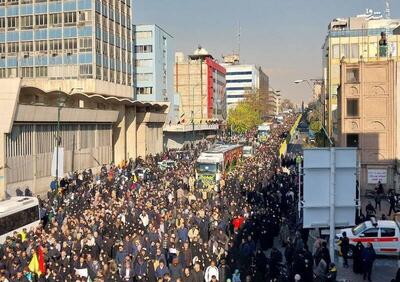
(192, 114)
(332, 204)
(58, 139)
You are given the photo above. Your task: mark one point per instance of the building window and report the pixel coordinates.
(352, 108)
(41, 71)
(85, 44)
(2, 23)
(55, 19)
(143, 34)
(85, 16)
(144, 63)
(41, 46)
(373, 50)
(41, 20)
(355, 51)
(352, 140)
(239, 73)
(12, 47)
(345, 50)
(27, 46)
(70, 18)
(141, 77)
(2, 48)
(12, 23)
(239, 81)
(144, 49)
(27, 71)
(144, 90)
(335, 51)
(105, 74)
(2, 2)
(352, 75)
(27, 22)
(55, 45)
(98, 72)
(85, 70)
(105, 49)
(70, 44)
(12, 2)
(3, 73)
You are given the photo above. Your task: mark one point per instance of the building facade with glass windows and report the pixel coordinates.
(154, 67)
(366, 38)
(75, 39)
(66, 76)
(242, 80)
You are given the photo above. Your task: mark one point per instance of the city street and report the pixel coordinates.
(199, 141)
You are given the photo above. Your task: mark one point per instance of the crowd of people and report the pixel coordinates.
(156, 225)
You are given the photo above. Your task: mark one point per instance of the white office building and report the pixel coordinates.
(242, 80)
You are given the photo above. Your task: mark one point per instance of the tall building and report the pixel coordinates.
(66, 76)
(154, 67)
(242, 80)
(274, 102)
(72, 40)
(200, 82)
(369, 114)
(368, 38)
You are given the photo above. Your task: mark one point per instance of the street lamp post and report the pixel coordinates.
(192, 114)
(311, 85)
(60, 105)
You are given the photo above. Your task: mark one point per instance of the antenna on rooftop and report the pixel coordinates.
(387, 9)
(239, 34)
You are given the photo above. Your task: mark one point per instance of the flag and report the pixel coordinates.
(42, 267)
(34, 264)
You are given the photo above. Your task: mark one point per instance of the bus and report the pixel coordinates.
(213, 164)
(16, 214)
(263, 131)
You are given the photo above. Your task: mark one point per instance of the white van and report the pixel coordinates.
(383, 234)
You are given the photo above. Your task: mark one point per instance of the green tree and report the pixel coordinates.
(243, 117)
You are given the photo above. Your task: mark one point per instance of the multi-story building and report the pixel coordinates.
(200, 82)
(273, 102)
(242, 80)
(72, 39)
(354, 39)
(154, 68)
(369, 114)
(66, 76)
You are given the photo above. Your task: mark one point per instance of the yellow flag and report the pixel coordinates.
(23, 236)
(34, 264)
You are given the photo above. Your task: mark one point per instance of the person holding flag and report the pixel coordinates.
(37, 265)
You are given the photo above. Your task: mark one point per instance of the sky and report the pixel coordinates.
(284, 37)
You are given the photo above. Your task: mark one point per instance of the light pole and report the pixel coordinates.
(60, 105)
(311, 83)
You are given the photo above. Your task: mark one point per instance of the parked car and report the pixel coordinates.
(383, 234)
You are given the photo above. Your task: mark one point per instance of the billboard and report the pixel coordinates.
(377, 175)
(320, 165)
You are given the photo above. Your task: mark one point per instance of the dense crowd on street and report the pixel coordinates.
(157, 225)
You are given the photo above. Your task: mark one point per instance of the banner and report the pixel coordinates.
(60, 162)
(377, 175)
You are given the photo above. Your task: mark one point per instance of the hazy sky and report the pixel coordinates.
(284, 37)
